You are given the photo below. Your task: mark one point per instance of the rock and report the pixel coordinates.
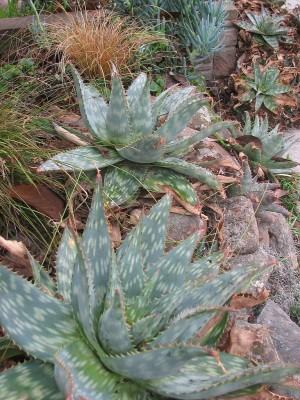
(224, 63)
(276, 235)
(209, 150)
(240, 231)
(261, 258)
(252, 341)
(290, 5)
(180, 227)
(283, 331)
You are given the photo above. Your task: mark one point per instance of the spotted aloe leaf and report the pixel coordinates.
(172, 267)
(192, 170)
(206, 268)
(179, 118)
(92, 107)
(36, 321)
(213, 293)
(164, 180)
(153, 364)
(215, 381)
(86, 158)
(42, 277)
(117, 118)
(97, 247)
(113, 332)
(139, 100)
(65, 259)
(31, 380)
(121, 183)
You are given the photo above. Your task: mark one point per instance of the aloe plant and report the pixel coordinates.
(265, 148)
(136, 324)
(127, 142)
(264, 87)
(267, 29)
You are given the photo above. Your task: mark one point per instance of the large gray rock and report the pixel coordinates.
(294, 151)
(284, 332)
(182, 226)
(240, 230)
(276, 236)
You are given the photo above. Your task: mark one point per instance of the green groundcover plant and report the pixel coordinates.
(132, 147)
(121, 325)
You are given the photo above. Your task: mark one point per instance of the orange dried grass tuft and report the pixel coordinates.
(95, 42)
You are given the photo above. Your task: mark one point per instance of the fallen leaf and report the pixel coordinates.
(248, 300)
(286, 101)
(17, 257)
(41, 198)
(115, 233)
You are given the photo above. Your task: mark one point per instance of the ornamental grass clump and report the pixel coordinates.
(130, 144)
(136, 324)
(94, 43)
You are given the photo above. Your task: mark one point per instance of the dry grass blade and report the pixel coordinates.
(94, 43)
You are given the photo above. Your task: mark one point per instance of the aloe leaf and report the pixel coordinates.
(181, 146)
(92, 107)
(112, 329)
(80, 374)
(173, 268)
(153, 231)
(158, 106)
(117, 118)
(191, 170)
(35, 321)
(135, 150)
(131, 264)
(179, 119)
(214, 334)
(278, 89)
(206, 268)
(248, 125)
(121, 184)
(83, 296)
(190, 388)
(97, 248)
(163, 179)
(140, 106)
(147, 328)
(152, 364)
(214, 293)
(272, 41)
(65, 259)
(259, 101)
(184, 328)
(270, 104)
(31, 380)
(41, 276)
(86, 158)
(172, 100)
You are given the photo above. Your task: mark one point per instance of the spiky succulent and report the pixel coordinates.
(136, 324)
(267, 29)
(264, 87)
(264, 147)
(262, 194)
(129, 144)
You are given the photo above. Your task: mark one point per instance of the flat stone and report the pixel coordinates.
(224, 62)
(230, 36)
(283, 331)
(202, 119)
(276, 235)
(240, 231)
(182, 226)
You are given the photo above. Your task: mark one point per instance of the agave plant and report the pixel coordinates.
(266, 28)
(123, 325)
(131, 147)
(264, 87)
(264, 147)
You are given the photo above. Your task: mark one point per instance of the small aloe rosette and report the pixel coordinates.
(131, 147)
(135, 324)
